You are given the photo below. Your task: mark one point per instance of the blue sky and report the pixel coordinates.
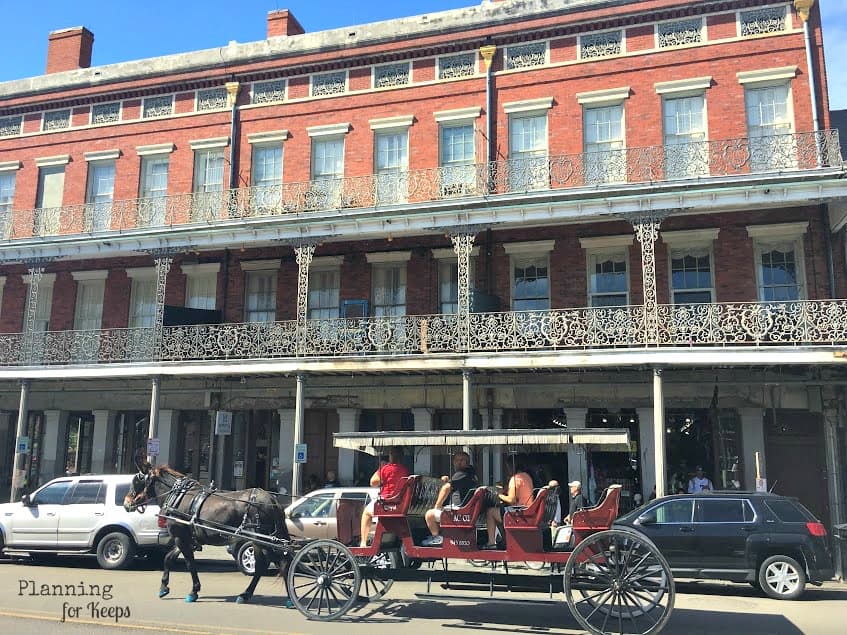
(127, 30)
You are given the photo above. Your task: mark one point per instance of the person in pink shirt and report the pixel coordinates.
(517, 494)
(389, 478)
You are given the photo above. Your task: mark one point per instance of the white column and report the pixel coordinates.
(645, 451)
(53, 447)
(103, 419)
(19, 462)
(836, 484)
(467, 400)
(752, 441)
(423, 423)
(153, 429)
(167, 432)
(577, 456)
(286, 443)
(497, 454)
(347, 422)
(487, 455)
(299, 435)
(659, 433)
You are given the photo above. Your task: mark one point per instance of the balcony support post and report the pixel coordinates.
(19, 463)
(659, 432)
(467, 402)
(299, 434)
(36, 273)
(463, 246)
(646, 228)
(153, 429)
(303, 254)
(163, 258)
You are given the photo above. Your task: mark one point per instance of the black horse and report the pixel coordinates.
(249, 511)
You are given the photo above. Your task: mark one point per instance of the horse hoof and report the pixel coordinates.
(164, 591)
(191, 597)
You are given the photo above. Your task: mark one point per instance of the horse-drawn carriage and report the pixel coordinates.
(614, 579)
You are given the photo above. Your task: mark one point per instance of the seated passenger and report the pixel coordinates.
(577, 500)
(518, 495)
(457, 487)
(389, 478)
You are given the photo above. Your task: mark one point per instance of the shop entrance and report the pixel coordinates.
(35, 432)
(321, 455)
(607, 468)
(194, 444)
(79, 437)
(130, 448)
(7, 452)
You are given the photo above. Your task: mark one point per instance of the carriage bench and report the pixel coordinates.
(530, 527)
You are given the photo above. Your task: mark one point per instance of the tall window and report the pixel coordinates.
(142, 310)
(51, 187)
(260, 296)
(44, 302)
(531, 283)
(327, 171)
(267, 166)
(208, 184)
(201, 291)
(608, 284)
(456, 149)
(770, 128)
(779, 271)
(154, 188)
(448, 286)
(101, 192)
(686, 153)
(7, 197)
(389, 289)
(605, 158)
(88, 312)
(528, 168)
(324, 293)
(392, 165)
(691, 275)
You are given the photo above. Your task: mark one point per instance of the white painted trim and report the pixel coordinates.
(331, 130)
(200, 269)
(207, 144)
(10, 166)
(690, 237)
(533, 247)
(765, 75)
(96, 274)
(443, 253)
(102, 155)
(607, 96)
(272, 136)
(60, 159)
(260, 265)
(458, 114)
(778, 230)
(327, 262)
(388, 256)
(387, 123)
(694, 84)
(141, 273)
(528, 105)
(46, 278)
(158, 148)
(604, 242)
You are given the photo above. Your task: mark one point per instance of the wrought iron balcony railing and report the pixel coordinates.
(779, 153)
(747, 324)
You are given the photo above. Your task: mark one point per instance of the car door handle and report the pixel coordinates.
(318, 523)
(686, 530)
(98, 513)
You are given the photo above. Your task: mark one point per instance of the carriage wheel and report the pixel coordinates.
(323, 580)
(377, 583)
(616, 581)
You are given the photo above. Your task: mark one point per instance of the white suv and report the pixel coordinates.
(82, 514)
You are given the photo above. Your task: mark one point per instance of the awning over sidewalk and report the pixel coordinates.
(550, 440)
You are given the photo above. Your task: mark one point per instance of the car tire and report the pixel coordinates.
(782, 578)
(245, 559)
(115, 551)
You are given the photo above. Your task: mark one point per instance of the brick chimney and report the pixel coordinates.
(283, 22)
(69, 49)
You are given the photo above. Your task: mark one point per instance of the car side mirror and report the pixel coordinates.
(647, 518)
(294, 515)
(26, 500)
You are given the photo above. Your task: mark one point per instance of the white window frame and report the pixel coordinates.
(320, 265)
(766, 238)
(602, 248)
(142, 278)
(525, 252)
(391, 183)
(457, 178)
(530, 168)
(692, 152)
(764, 137)
(695, 240)
(200, 276)
(445, 257)
(395, 260)
(263, 267)
(101, 210)
(95, 282)
(602, 158)
(8, 173)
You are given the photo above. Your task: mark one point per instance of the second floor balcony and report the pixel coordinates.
(682, 163)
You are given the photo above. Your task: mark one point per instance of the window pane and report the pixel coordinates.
(531, 289)
(260, 301)
(389, 290)
(143, 304)
(719, 511)
(457, 145)
(789, 512)
(209, 171)
(392, 151)
(7, 190)
(52, 494)
(201, 291)
(267, 165)
(86, 493)
(448, 286)
(89, 304)
(528, 136)
(676, 511)
(327, 158)
(324, 292)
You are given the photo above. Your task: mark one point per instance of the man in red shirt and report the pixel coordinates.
(389, 478)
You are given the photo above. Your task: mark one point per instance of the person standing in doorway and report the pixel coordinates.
(699, 482)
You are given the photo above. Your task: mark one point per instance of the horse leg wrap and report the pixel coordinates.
(191, 597)
(242, 599)
(163, 591)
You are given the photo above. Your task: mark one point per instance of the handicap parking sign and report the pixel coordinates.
(23, 445)
(300, 453)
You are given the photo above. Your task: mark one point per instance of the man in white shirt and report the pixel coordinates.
(699, 482)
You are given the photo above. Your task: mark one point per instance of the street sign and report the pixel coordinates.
(300, 453)
(152, 447)
(761, 485)
(23, 445)
(223, 423)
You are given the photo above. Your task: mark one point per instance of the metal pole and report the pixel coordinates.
(153, 430)
(659, 432)
(299, 418)
(20, 457)
(467, 412)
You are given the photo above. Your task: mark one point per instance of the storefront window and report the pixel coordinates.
(609, 468)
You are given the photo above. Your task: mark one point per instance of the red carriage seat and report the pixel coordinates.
(601, 515)
(466, 515)
(416, 495)
(537, 515)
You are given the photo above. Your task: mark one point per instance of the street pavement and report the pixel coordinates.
(123, 602)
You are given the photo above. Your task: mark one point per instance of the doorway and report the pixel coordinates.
(130, 448)
(194, 444)
(79, 438)
(321, 455)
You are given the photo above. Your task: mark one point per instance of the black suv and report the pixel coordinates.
(770, 541)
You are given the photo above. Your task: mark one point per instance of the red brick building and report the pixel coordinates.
(596, 214)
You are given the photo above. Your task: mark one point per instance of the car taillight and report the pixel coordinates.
(816, 529)
(162, 522)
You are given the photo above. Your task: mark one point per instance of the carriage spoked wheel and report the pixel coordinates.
(324, 580)
(617, 581)
(378, 581)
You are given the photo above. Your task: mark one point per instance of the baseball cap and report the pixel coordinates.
(574, 484)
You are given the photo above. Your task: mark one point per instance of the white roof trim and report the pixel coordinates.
(528, 105)
(602, 242)
(331, 130)
(530, 247)
(102, 155)
(207, 144)
(97, 274)
(778, 230)
(141, 273)
(690, 236)
(272, 136)
(260, 265)
(46, 278)
(195, 269)
(606, 96)
(327, 261)
(767, 75)
(458, 114)
(388, 256)
(386, 123)
(158, 148)
(694, 84)
(8, 166)
(60, 159)
(444, 253)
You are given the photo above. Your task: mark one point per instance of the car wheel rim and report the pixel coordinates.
(782, 578)
(248, 559)
(114, 551)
